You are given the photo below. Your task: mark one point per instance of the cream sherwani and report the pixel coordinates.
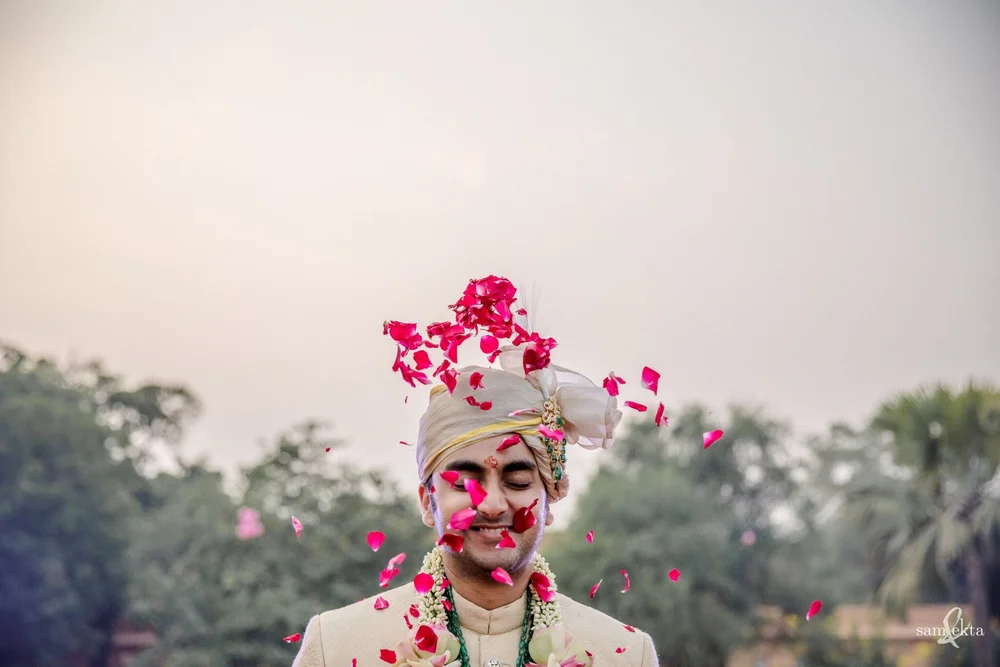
(334, 637)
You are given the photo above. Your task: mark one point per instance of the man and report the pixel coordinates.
(491, 459)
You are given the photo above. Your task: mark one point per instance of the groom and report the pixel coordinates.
(491, 455)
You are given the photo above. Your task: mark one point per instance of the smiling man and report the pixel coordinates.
(491, 456)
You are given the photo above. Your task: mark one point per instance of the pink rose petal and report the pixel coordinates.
(396, 561)
(628, 582)
(462, 519)
(524, 519)
(450, 476)
(476, 380)
(488, 344)
(454, 542)
(543, 587)
(297, 525)
(414, 611)
(509, 441)
(404, 442)
(445, 583)
(620, 649)
(553, 433)
(748, 538)
(409, 625)
(375, 539)
(507, 542)
(426, 639)
(660, 419)
(674, 574)
(354, 662)
(590, 537)
(638, 407)
(630, 628)
(611, 384)
(814, 609)
(650, 379)
(423, 582)
(593, 589)
(476, 492)
(447, 605)
(518, 413)
(711, 437)
(381, 603)
(486, 405)
(387, 656)
(501, 575)
(450, 379)
(386, 575)
(422, 360)
(291, 639)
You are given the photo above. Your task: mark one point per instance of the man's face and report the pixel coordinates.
(511, 481)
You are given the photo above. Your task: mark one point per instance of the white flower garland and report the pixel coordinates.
(431, 604)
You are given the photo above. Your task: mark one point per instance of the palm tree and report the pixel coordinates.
(932, 524)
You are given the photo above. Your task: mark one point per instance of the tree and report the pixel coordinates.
(63, 573)
(934, 530)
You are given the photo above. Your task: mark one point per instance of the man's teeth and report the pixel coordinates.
(489, 531)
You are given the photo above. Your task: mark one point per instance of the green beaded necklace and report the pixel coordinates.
(456, 629)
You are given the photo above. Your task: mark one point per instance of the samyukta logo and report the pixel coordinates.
(951, 629)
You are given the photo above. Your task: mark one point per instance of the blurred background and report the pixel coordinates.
(207, 211)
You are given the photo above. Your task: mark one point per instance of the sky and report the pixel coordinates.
(793, 205)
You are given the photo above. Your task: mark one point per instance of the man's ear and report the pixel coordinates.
(426, 513)
(549, 518)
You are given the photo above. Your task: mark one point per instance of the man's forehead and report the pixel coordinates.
(484, 454)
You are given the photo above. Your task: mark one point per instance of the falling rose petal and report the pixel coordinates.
(423, 582)
(375, 539)
(509, 441)
(507, 542)
(660, 419)
(381, 603)
(674, 574)
(814, 609)
(454, 542)
(425, 639)
(630, 628)
(450, 476)
(711, 437)
(628, 582)
(403, 442)
(329, 448)
(396, 561)
(611, 384)
(522, 312)
(291, 639)
(553, 433)
(354, 662)
(650, 379)
(409, 625)
(387, 656)
(501, 575)
(471, 400)
(445, 583)
(543, 587)
(638, 407)
(386, 575)
(297, 525)
(476, 380)
(476, 492)
(620, 649)
(590, 537)
(414, 611)
(462, 519)
(433, 489)
(488, 344)
(486, 405)
(450, 379)
(518, 413)
(447, 605)
(748, 538)
(422, 360)
(524, 519)
(593, 589)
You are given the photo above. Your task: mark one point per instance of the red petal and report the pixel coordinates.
(396, 561)
(674, 574)
(433, 490)
(471, 400)
(375, 539)
(454, 542)
(447, 605)
(488, 344)
(507, 542)
(628, 582)
(414, 611)
(381, 603)
(386, 575)
(486, 405)
(450, 476)
(445, 583)
(290, 639)
(408, 624)
(660, 419)
(620, 649)
(509, 441)
(426, 639)
(387, 656)
(711, 437)
(650, 378)
(543, 587)
(422, 360)
(522, 312)
(630, 628)
(354, 662)
(476, 380)
(450, 379)
(297, 525)
(501, 575)
(814, 609)
(423, 582)
(524, 519)
(590, 537)
(328, 448)
(476, 492)
(462, 519)
(611, 384)
(593, 589)
(638, 407)
(403, 442)
(553, 433)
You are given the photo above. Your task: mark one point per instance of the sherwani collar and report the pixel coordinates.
(490, 622)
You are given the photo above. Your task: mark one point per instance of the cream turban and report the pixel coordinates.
(589, 415)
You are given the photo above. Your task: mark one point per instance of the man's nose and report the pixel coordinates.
(495, 502)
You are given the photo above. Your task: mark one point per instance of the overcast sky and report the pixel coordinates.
(792, 203)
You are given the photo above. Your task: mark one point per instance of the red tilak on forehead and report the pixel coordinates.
(491, 461)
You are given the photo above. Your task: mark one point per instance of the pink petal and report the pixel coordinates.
(403, 442)
(660, 420)
(462, 519)
(450, 476)
(638, 407)
(553, 433)
(524, 519)
(297, 525)
(748, 538)
(711, 437)
(590, 537)
(450, 379)
(543, 587)
(628, 582)
(507, 542)
(814, 609)
(409, 625)
(509, 441)
(381, 603)
(329, 448)
(593, 589)
(611, 384)
(375, 539)
(422, 360)
(454, 542)
(354, 662)
(290, 639)
(426, 639)
(447, 605)
(518, 413)
(423, 582)
(445, 583)
(630, 628)
(522, 312)
(674, 574)
(620, 649)
(386, 575)
(476, 492)
(476, 380)
(650, 379)
(414, 611)
(387, 656)
(396, 561)
(501, 575)
(488, 344)
(486, 405)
